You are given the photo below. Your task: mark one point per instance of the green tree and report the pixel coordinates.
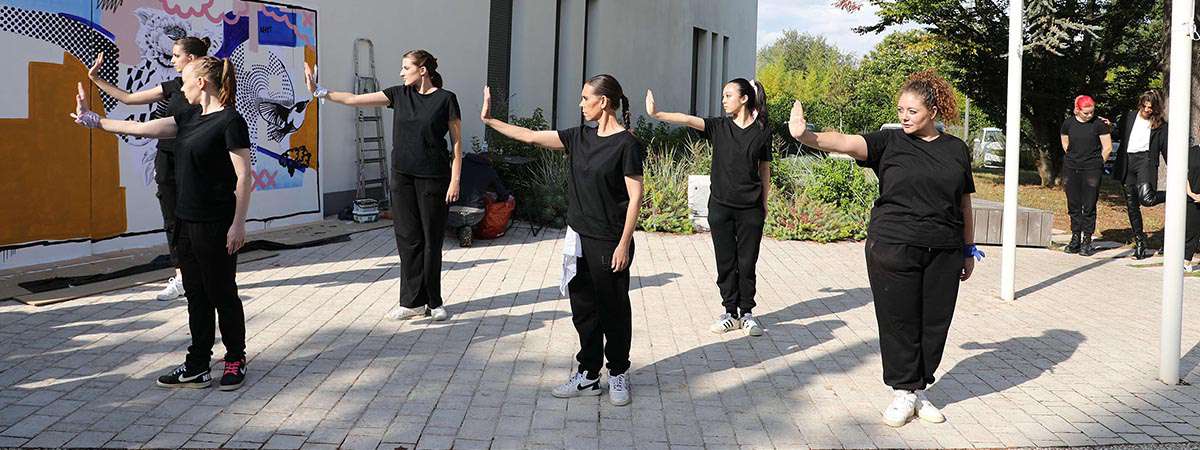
(1104, 48)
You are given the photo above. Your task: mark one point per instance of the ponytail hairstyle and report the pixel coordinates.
(935, 92)
(194, 46)
(220, 73)
(757, 103)
(607, 86)
(422, 58)
(1155, 98)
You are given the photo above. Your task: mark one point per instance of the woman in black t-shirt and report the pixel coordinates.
(425, 180)
(737, 202)
(212, 157)
(604, 194)
(920, 242)
(1087, 143)
(184, 51)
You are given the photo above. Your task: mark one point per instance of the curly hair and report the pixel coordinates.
(934, 91)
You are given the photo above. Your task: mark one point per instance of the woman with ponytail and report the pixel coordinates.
(212, 149)
(184, 51)
(920, 241)
(425, 180)
(737, 203)
(604, 194)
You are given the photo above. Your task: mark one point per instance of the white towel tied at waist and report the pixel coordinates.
(572, 250)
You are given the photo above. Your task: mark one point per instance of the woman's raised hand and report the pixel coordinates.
(651, 108)
(94, 71)
(310, 79)
(81, 106)
(486, 112)
(796, 123)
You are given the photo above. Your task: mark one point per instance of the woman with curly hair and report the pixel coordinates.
(920, 243)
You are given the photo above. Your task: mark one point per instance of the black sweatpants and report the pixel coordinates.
(600, 309)
(1192, 232)
(736, 235)
(1083, 189)
(915, 289)
(164, 177)
(209, 273)
(419, 220)
(1141, 189)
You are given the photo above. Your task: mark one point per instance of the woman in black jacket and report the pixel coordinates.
(1143, 137)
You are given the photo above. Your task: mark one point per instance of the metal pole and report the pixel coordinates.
(1012, 151)
(1177, 143)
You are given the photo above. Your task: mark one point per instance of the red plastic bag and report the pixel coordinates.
(496, 218)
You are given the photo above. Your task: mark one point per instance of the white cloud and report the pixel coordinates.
(820, 18)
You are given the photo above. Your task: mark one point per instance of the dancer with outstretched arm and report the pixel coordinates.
(920, 241)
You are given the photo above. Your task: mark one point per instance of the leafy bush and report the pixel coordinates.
(660, 135)
(665, 194)
(541, 190)
(841, 183)
(797, 217)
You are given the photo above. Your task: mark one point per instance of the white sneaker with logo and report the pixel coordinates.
(904, 405)
(926, 411)
(578, 386)
(173, 290)
(401, 313)
(439, 314)
(618, 390)
(725, 323)
(751, 326)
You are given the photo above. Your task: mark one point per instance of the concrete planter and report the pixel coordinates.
(698, 191)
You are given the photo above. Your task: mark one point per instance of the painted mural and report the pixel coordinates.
(68, 192)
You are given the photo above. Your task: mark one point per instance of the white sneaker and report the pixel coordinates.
(578, 386)
(726, 322)
(618, 390)
(401, 313)
(926, 411)
(1188, 267)
(173, 290)
(903, 406)
(751, 326)
(439, 314)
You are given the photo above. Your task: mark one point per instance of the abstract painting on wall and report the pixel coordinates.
(67, 186)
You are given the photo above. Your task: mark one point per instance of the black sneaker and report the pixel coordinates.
(181, 377)
(235, 373)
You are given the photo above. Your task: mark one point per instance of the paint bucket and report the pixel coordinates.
(366, 210)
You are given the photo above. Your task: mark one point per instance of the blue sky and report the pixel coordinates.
(818, 17)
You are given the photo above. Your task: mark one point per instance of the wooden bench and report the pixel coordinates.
(1033, 225)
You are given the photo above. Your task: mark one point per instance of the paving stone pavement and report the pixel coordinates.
(1072, 362)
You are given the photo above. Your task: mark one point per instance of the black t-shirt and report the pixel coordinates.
(921, 185)
(419, 127)
(737, 152)
(203, 171)
(1083, 147)
(596, 196)
(172, 91)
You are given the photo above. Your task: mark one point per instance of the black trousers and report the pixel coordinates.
(164, 177)
(1141, 189)
(1192, 234)
(915, 289)
(736, 235)
(419, 220)
(600, 309)
(209, 273)
(1083, 189)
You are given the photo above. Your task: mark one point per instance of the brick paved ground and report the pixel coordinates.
(1072, 362)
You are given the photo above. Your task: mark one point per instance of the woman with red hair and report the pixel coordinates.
(1087, 143)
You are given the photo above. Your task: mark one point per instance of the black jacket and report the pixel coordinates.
(1158, 145)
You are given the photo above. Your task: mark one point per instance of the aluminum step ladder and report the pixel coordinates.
(369, 142)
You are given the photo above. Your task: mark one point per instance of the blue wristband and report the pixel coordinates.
(971, 251)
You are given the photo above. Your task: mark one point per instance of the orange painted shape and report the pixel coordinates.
(59, 180)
